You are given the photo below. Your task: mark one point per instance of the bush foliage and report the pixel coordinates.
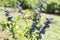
(52, 6)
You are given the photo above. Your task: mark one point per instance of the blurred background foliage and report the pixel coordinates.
(51, 6)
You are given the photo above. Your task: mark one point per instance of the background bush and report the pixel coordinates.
(51, 6)
(24, 3)
(29, 3)
(7, 3)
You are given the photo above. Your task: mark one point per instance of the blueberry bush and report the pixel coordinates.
(29, 24)
(24, 27)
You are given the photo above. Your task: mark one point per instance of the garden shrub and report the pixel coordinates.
(52, 7)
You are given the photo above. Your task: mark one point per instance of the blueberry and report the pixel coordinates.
(33, 28)
(9, 18)
(43, 31)
(46, 26)
(6, 12)
(35, 19)
(48, 21)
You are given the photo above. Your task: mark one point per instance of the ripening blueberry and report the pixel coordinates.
(35, 19)
(6, 12)
(19, 11)
(9, 18)
(31, 30)
(46, 26)
(43, 31)
(48, 21)
(47, 18)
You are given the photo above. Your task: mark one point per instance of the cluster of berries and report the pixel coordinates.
(7, 14)
(42, 28)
